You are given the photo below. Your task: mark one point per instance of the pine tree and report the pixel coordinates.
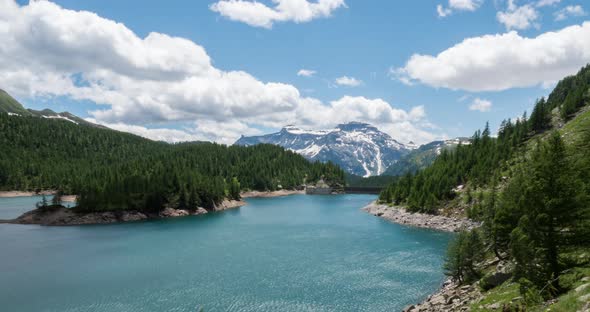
(554, 212)
(56, 200)
(464, 252)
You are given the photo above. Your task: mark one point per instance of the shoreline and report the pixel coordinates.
(450, 297)
(400, 216)
(65, 216)
(62, 216)
(280, 193)
(11, 194)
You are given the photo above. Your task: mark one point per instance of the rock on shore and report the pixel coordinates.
(451, 297)
(401, 216)
(229, 204)
(259, 194)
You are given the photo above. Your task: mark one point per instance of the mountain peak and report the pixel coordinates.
(357, 147)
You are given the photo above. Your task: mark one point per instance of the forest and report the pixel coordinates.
(111, 170)
(529, 186)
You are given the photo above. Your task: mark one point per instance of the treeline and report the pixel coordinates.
(528, 186)
(476, 163)
(113, 170)
(485, 158)
(539, 221)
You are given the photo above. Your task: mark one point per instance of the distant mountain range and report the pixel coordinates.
(423, 156)
(359, 148)
(11, 106)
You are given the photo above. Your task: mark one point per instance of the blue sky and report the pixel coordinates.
(369, 40)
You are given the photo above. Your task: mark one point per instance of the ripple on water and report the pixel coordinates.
(298, 253)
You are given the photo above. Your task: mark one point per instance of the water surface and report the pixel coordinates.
(297, 253)
(13, 207)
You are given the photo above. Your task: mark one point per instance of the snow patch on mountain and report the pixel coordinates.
(358, 148)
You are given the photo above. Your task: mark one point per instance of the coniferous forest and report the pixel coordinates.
(111, 170)
(529, 186)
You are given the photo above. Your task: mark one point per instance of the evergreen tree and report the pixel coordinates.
(234, 190)
(464, 252)
(56, 200)
(554, 212)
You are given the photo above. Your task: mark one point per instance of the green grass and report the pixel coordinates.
(575, 130)
(9, 105)
(502, 295)
(570, 301)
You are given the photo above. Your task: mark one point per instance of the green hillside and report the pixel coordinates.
(111, 170)
(9, 105)
(530, 187)
(421, 157)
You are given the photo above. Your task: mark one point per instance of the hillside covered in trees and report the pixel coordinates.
(111, 170)
(529, 186)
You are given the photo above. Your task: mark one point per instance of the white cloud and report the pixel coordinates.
(466, 5)
(348, 81)
(480, 105)
(49, 51)
(403, 125)
(502, 61)
(306, 73)
(543, 3)
(458, 5)
(518, 17)
(257, 14)
(568, 11)
(442, 11)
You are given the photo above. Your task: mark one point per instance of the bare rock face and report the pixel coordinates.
(401, 216)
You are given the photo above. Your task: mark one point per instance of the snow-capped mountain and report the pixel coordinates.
(358, 148)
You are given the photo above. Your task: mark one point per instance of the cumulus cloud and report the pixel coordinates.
(480, 105)
(141, 84)
(257, 14)
(401, 124)
(458, 5)
(348, 81)
(518, 17)
(502, 61)
(570, 11)
(306, 73)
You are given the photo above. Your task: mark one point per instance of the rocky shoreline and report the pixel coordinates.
(281, 193)
(450, 298)
(62, 216)
(401, 216)
(9, 194)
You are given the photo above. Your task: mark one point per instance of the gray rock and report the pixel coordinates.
(582, 287)
(173, 213)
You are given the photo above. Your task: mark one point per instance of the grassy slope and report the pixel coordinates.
(573, 133)
(9, 105)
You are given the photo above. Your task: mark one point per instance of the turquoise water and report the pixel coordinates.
(11, 208)
(298, 253)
